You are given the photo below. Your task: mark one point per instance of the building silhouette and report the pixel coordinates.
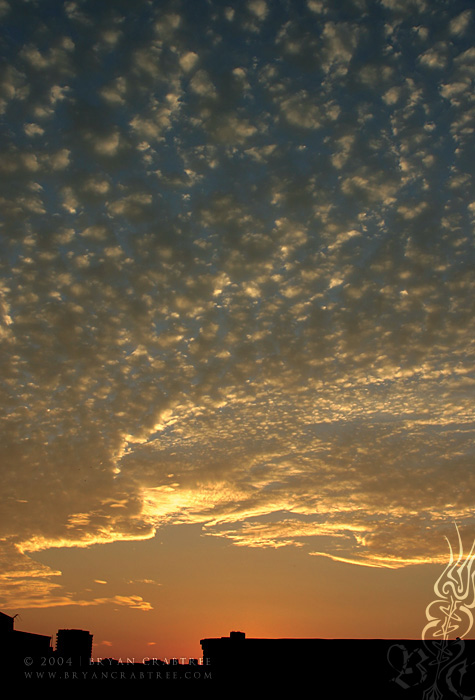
(249, 651)
(26, 651)
(74, 644)
(383, 668)
(17, 644)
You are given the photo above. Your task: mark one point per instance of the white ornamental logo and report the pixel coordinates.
(450, 615)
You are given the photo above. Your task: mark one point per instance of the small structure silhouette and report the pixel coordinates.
(75, 645)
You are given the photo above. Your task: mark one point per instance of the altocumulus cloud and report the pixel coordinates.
(237, 272)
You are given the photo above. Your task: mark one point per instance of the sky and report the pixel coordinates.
(236, 308)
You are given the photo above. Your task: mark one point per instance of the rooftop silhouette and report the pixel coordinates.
(404, 669)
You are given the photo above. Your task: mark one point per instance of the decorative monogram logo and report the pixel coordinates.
(451, 613)
(440, 666)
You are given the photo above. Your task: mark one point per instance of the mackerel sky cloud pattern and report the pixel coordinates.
(237, 277)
